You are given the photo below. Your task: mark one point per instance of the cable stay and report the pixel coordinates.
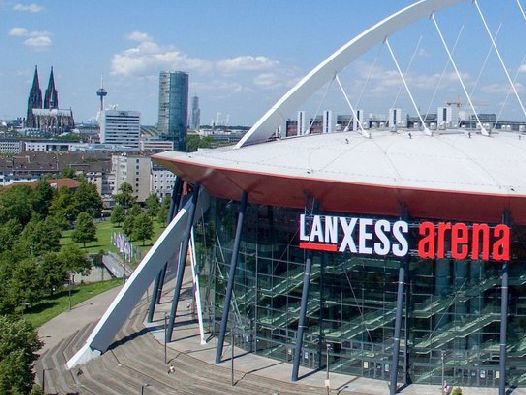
(444, 70)
(407, 69)
(426, 130)
(485, 63)
(521, 9)
(499, 56)
(468, 97)
(508, 93)
(363, 132)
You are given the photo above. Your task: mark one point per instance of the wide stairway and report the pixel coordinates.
(137, 359)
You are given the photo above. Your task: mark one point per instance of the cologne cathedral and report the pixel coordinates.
(46, 116)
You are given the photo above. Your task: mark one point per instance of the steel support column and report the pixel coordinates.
(301, 324)
(159, 279)
(153, 300)
(398, 325)
(231, 275)
(506, 219)
(393, 387)
(161, 283)
(182, 264)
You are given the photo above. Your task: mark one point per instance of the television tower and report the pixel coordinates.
(101, 93)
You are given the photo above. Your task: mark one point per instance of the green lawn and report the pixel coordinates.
(52, 306)
(105, 230)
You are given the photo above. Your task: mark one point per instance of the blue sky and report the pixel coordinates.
(242, 55)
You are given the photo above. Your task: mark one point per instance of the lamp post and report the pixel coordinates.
(143, 386)
(442, 362)
(327, 380)
(69, 290)
(232, 356)
(164, 335)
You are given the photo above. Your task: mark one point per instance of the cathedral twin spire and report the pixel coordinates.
(35, 96)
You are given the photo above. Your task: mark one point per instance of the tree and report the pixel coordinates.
(15, 203)
(25, 283)
(64, 204)
(51, 272)
(152, 205)
(125, 198)
(194, 142)
(41, 197)
(162, 213)
(128, 225)
(74, 260)
(9, 233)
(143, 228)
(18, 346)
(40, 236)
(67, 172)
(85, 230)
(87, 199)
(117, 215)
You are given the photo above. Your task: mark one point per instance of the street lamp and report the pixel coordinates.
(232, 356)
(143, 386)
(164, 335)
(442, 352)
(327, 380)
(69, 290)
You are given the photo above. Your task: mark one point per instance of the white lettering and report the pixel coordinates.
(380, 227)
(316, 229)
(303, 235)
(347, 240)
(399, 229)
(365, 236)
(331, 229)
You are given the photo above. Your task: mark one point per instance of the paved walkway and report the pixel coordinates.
(69, 322)
(137, 359)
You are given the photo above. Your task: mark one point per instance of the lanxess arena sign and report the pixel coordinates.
(381, 237)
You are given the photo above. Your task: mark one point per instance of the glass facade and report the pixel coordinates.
(451, 315)
(173, 107)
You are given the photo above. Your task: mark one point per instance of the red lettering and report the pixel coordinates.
(442, 228)
(477, 229)
(426, 245)
(501, 247)
(459, 238)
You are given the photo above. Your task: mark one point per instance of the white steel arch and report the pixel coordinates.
(267, 125)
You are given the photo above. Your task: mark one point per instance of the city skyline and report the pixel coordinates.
(242, 57)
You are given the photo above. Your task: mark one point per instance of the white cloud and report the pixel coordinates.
(246, 63)
(19, 32)
(39, 43)
(36, 39)
(139, 36)
(522, 68)
(502, 88)
(150, 57)
(33, 8)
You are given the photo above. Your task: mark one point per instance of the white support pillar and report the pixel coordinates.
(197, 294)
(426, 129)
(454, 64)
(113, 319)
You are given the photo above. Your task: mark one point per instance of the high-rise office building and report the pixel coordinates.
(120, 127)
(173, 107)
(195, 114)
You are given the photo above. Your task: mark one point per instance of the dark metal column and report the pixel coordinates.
(301, 324)
(398, 326)
(402, 275)
(506, 219)
(159, 279)
(231, 275)
(182, 264)
(161, 283)
(153, 300)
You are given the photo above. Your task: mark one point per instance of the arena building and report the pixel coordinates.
(392, 254)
